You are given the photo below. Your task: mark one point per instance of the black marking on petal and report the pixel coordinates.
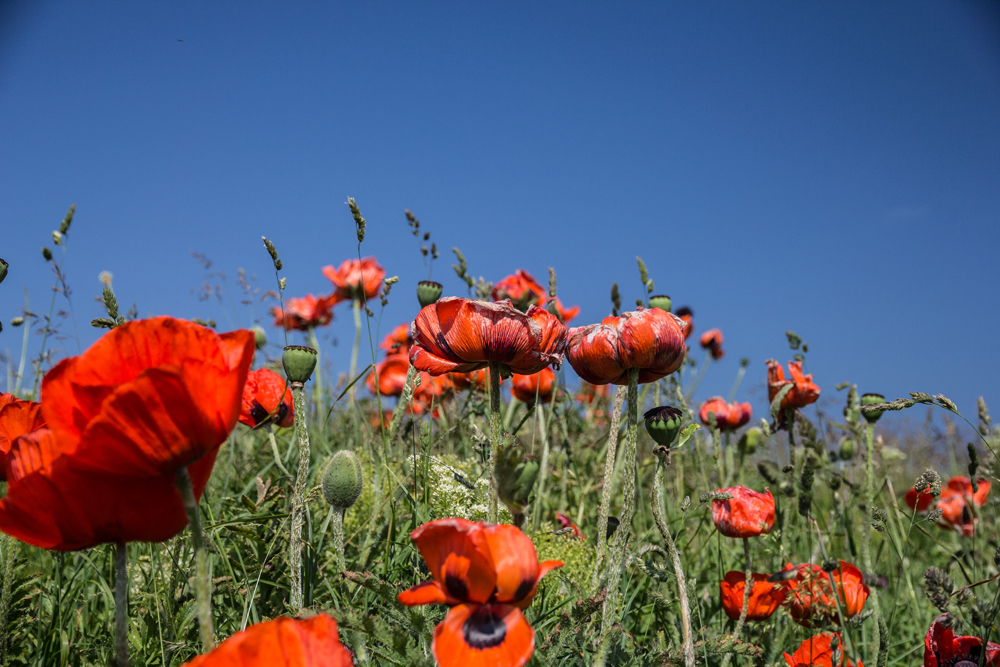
(484, 629)
(456, 587)
(523, 590)
(282, 412)
(259, 413)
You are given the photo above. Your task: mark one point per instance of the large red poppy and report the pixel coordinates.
(728, 416)
(266, 394)
(305, 312)
(397, 341)
(942, 648)
(747, 514)
(283, 642)
(463, 335)
(811, 599)
(521, 289)
(356, 277)
(487, 573)
(765, 597)
(804, 391)
(650, 340)
(711, 340)
(17, 417)
(529, 388)
(818, 651)
(957, 503)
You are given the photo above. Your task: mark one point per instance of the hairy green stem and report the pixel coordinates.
(202, 583)
(121, 605)
(24, 345)
(495, 436)
(404, 400)
(298, 497)
(338, 538)
(356, 307)
(609, 474)
(866, 535)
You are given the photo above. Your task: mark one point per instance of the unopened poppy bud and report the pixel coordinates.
(515, 475)
(47, 254)
(750, 440)
(428, 292)
(343, 479)
(661, 301)
(848, 448)
(57, 237)
(663, 424)
(17, 321)
(259, 336)
(872, 399)
(3, 269)
(299, 362)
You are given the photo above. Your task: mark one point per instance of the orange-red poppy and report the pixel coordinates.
(765, 597)
(923, 503)
(651, 340)
(943, 648)
(590, 392)
(283, 642)
(566, 314)
(566, 522)
(487, 573)
(728, 416)
(521, 289)
(17, 418)
(397, 341)
(811, 600)
(711, 340)
(687, 316)
(266, 395)
(356, 277)
(430, 393)
(747, 514)
(305, 312)
(804, 391)
(528, 388)
(392, 373)
(819, 651)
(463, 335)
(957, 503)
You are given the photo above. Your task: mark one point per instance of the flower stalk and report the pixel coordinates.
(202, 583)
(356, 309)
(298, 496)
(609, 473)
(495, 438)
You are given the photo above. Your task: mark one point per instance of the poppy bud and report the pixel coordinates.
(872, 399)
(663, 424)
(515, 475)
(47, 254)
(343, 480)
(848, 448)
(428, 292)
(3, 270)
(259, 336)
(17, 321)
(661, 301)
(749, 441)
(299, 362)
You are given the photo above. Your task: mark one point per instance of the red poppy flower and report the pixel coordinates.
(711, 340)
(566, 522)
(818, 651)
(392, 373)
(429, 393)
(687, 316)
(943, 649)
(283, 642)
(479, 379)
(522, 289)
(526, 388)
(356, 277)
(650, 340)
(957, 503)
(765, 597)
(305, 312)
(747, 514)
(728, 416)
(924, 502)
(804, 390)
(590, 392)
(811, 598)
(265, 393)
(463, 335)
(566, 314)
(17, 418)
(397, 341)
(487, 573)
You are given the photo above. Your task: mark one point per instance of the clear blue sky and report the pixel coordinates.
(827, 167)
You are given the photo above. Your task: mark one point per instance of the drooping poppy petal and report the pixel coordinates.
(747, 514)
(266, 395)
(804, 391)
(517, 568)
(458, 557)
(428, 592)
(521, 289)
(493, 635)
(306, 312)
(943, 648)
(811, 599)
(728, 416)
(17, 418)
(283, 642)
(765, 597)
(819, 651)
(356, 277)
(529, 388)
(711, 340)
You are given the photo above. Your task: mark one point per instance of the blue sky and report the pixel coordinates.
(831, 168)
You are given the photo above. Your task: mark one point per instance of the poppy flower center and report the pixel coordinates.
(456, 587)
(259, 413)
(966, 663)
(484, 628)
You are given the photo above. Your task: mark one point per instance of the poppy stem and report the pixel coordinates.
(495, 436)
(298, 496)
(277, 454)
(609, 473)
(318, 375)
(866, 535)
(202, 584)
(338, 537)
(628, 506)
(747, 588)
(404, 400)
(356, 308)
(540, 494)
(121, 605)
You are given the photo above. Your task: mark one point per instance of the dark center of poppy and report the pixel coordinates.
(456, 587)
(484, 629)
(259, 413)
(966, 663)
(282, 412)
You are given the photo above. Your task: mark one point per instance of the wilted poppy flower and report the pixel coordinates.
(354, 278)
(711, 340)
(728, 416)
(942, 648)
(811, 600)
(765, 597)
(283, 642)
(463, 335)
(804, 391)
(264, 394)
(522, 289)
(819, 651)
(566, 522)
(392, 373)
(304, 313)
(17, 418)
(590, 392)
(687, 316)
(747, 514)
(526, 388)
(397, 341)
(650, 340)
(566, 314)
(487, 573)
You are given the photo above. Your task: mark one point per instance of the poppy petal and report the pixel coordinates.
(458, 557)
(495, 635)
(283, 642)
(429, 592)
(515, 560)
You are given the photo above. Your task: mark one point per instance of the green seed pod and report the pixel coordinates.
(515, 474)
(3, 270)
(299, 362)
(872, 399)
(750, 440)
(343, 480)
(259, 336)
(661, 301)
(848, 448)
(663, 424)
(428, 292)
